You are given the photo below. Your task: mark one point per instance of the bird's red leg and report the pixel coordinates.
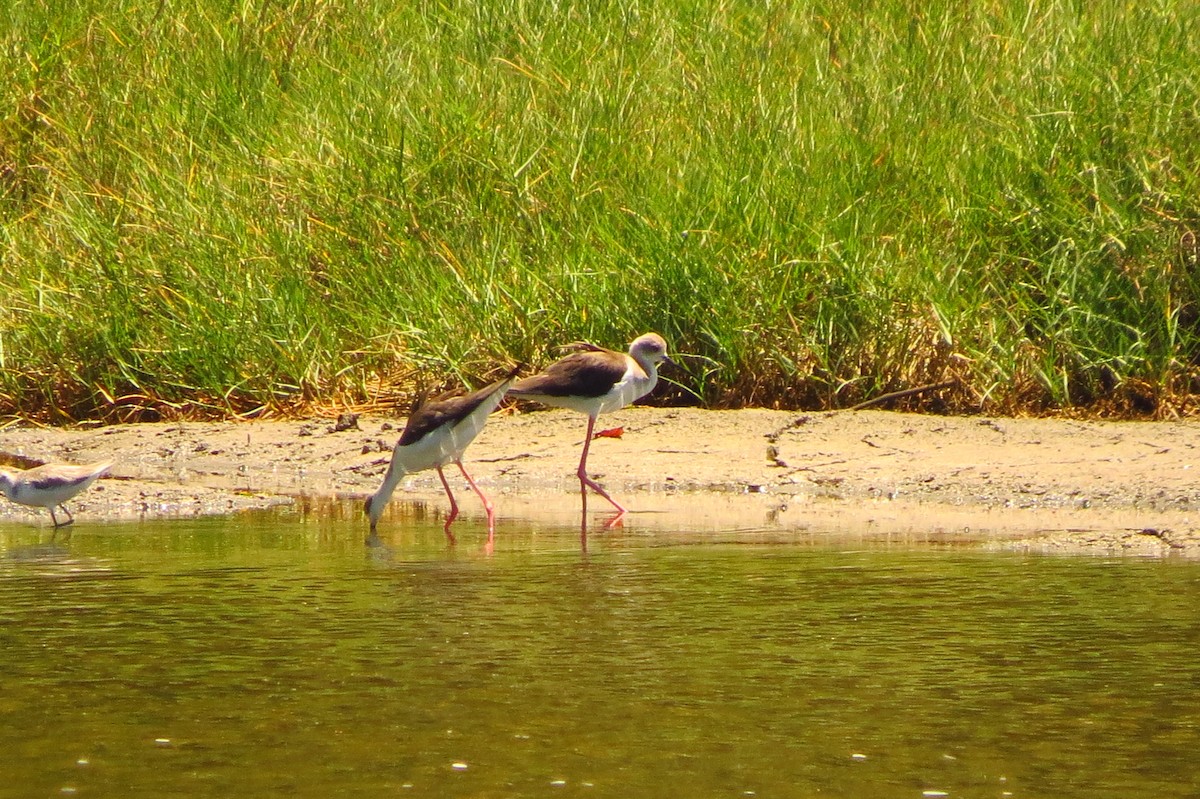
(487, 503)
(453, 506)
(584, 480)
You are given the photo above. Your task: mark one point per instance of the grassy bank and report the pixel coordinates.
(236, 205)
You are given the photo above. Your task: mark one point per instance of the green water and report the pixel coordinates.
(275, 655)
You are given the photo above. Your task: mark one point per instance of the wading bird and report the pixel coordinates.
(436, 434)
(50, 485)
(593, 382)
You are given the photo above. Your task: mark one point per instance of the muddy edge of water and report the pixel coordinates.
(1044, 484)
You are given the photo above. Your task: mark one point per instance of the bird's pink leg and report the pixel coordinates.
(487, 503)
(618, 520)
(583, 513)
(584, 480)
(453, 506)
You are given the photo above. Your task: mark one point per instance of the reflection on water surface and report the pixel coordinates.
(271, 654)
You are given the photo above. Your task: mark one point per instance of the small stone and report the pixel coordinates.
(346, 421)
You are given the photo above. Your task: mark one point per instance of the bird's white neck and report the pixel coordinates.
(651, 370)
(379, 500)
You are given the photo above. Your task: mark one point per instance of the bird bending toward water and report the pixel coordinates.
(436, 434)
(51, 485)
(597, 381)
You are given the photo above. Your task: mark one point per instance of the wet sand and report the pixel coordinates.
(1027, 484)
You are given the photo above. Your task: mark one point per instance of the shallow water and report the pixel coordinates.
(274, 654)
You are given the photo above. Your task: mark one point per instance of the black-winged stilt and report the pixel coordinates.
(436, 434)
(593, 382)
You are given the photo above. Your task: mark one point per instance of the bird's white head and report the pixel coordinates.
(374, 510)
(649, 350)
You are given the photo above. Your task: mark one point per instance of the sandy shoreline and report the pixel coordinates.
(1033, 484)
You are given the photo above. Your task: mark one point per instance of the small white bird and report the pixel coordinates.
(437, 433)
(597, 381)
(50, 485)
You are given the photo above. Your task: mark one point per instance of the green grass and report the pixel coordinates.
(230, 206)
